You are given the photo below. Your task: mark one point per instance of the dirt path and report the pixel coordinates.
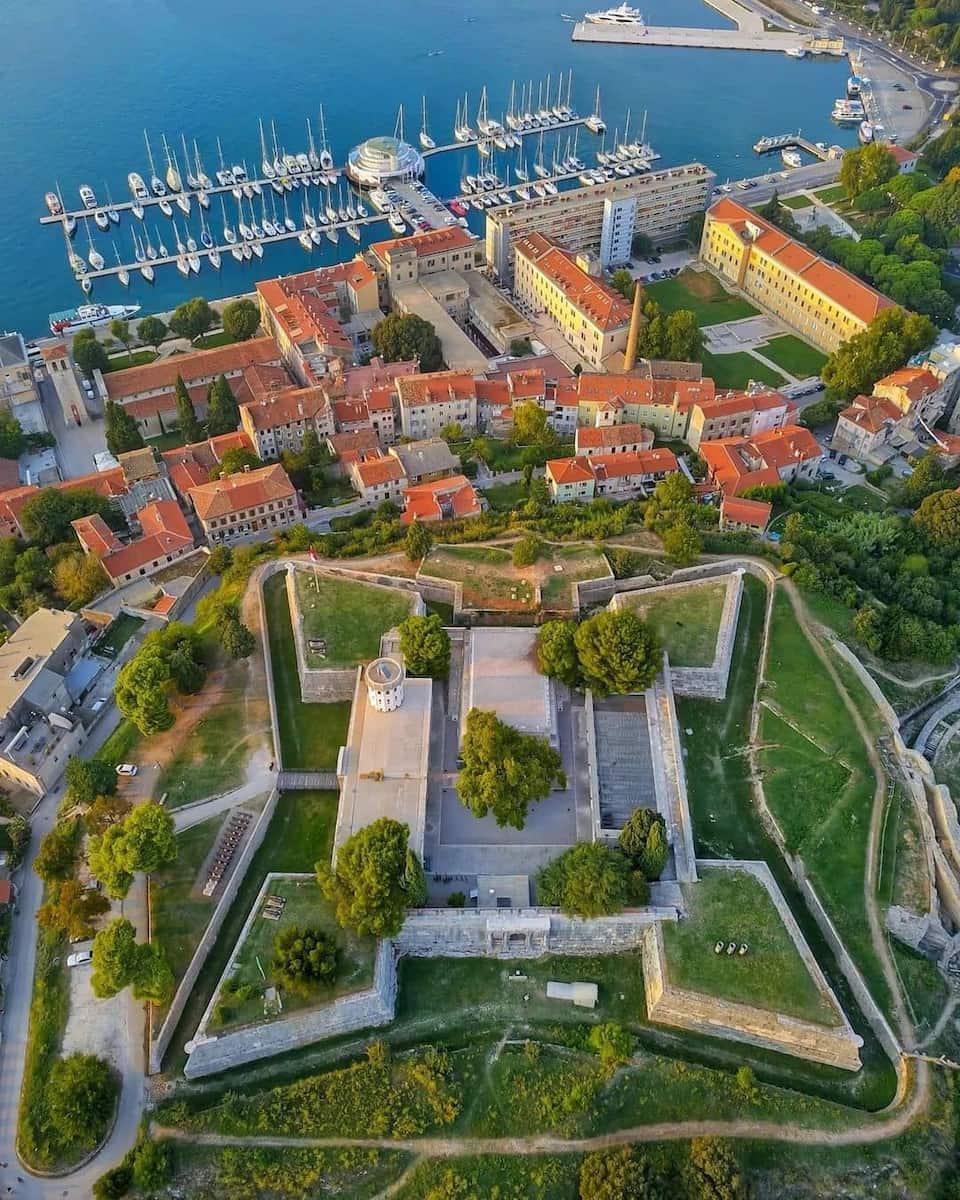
(881, 949)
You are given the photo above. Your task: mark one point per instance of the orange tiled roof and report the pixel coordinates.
(493, 391)
(831, 281)
(160, 376)
(746, 512)
(262, 379)
(729, 404)
(358, 439)
(286, 407)
(436, 241)
(526, 384)
(871, 413)
(591, 436)
(600, 304)
(436, 387)
(633, 462)
(96, 536)
(189, 466)
(739, 463)
(379, 399)
(242, 490)
(915, 382)
(165, 531)
(569, 470)
(901, 153)
(428, 501)
(643, 389)
(349, 412)
(373, 471)
(12, 504)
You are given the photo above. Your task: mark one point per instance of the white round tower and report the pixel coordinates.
(384, 678)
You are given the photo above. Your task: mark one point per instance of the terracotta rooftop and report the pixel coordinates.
(728, 404)
(739, 463)
(243, 490)
(569, 470)
(633, 462)
(915, 382)
(645, 389)
(96, 536)
(871, 413)
(600, 304)
(350, 412)
(836, 285)
(436, 241)
(373, 471)
(436, 388)
(189, 466)
(138, 464)
(359, 439)
(746, 512)
(160, 376)
(526, 384)
(443, 499)
(262, 379)
(286, 407)
(590, 437)
(901, 153)
(165, 531)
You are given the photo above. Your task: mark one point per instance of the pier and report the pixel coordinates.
(688, 38)
(791, 141)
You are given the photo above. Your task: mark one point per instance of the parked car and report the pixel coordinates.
(98, 704)
(127, 769)
(842, 460)
(79, 958)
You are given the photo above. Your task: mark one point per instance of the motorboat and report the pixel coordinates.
(101, 220)
(865, 132)
(90, 316)
(623, 14)
(53, 203)
(88, 197)
(791, 158)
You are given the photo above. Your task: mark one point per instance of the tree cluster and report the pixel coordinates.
(169, 659)
(377, 878)
(120, 961)
(193, 319)
(234, 460)
(612, 653)
(223, 412)
(505, 771)
(46, 517)
(89, 354)
(81, 1094)
(402, 337)
(303, 958)
(673, 513)
(241, 319)
(57, 852)
(892, 337)
(425, 646)
(142, 841)
(307, 467)
(121, 430)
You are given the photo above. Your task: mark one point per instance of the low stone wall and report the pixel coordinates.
(368, 1009)
(161, 1042)
(670, 777)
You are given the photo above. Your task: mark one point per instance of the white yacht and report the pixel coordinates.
(791, 159)
(623, 14)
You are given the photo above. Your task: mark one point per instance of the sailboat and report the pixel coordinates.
(157, 186)
(94, 257)
(237, 252)
(172, 176)
(595, 122)
(512, 122)
(268, 226)
(426, 141)
(333, 235)
(112, 213)
(192, 181)
(326, 158)
(183, 203)
(202, 177)
(538, 168)
(330, 210)
(213, 257)
(242, 227)
(182, 265)
(138, 253)
(266, 166)
(206, 237)
(312, 156)
(341, 207)
(229, 236)
(146, 270)
(148, 247)
(520, 167)
(122, 274)
(305, 241)
(278, 166)
(224, 175)
(465, 128)
(161, 248)
(289, 222)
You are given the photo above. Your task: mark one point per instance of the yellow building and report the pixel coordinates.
(823, 303)
(592, 317)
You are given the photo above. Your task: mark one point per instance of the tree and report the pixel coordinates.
(186, 413)
(114, 1184)
(154, 980)
(452, 432)
(682, 543)
(86, 779)
(505, 771)
(234, 460)
(866, 167)
(713, 1171)
(149, 839)
(13, 441)
(367, 887)
(683, 340)
(425, 646)
(618, 653)
(612, 1044)
(526, 551)
(47, 516)
(186, 671)
(219, 559)
(115, 958)
(106, 865)
(938, 521)
(417, 542)
(588, 880)
(623, 282)
(929, 476)
(120, 329)
(414, 881)
(241, 320)
(57, 852)
(223, 413)
(892, 337)
(88, 353)
(105, 811)
(81, 1093)
(643, 839)
(236, 638)
(619, 1175)
(192, 319)
(557, 655)
(120, 429)
(152, 1166)
(72, 909)
(402, 337)
(531, 426)
(303, 957)
(77, 578)
(641, 246)
(151, 331)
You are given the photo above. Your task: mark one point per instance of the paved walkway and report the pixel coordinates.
(259, 783)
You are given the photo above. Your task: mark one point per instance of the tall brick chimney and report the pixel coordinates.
(630, 354)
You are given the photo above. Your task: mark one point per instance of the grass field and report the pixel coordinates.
(577, 563)
(488, 576)
(349, 616)
(299, 836)
(796, 202)
(687, 620)
(139, 358)
(305, 907)
(179, 910)
(794, 355)
(116, 635)
(310, 734)
(830, 195)
(865, 499)
(703, 294)
(737, 370)
(211, 340)
(735, 907)
(505, 496)
(212, 758)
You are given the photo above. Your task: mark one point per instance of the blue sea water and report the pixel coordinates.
(81, 84)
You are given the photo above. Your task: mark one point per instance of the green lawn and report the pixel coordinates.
(506, 496)
(305, 907)
(121, 744)
(213, 757)
(865, 499)
(686, 620)
(138, 358)
(488, 575)
(167, 441)
(735, 371)
(703, 294)
(735, 907)
(211, 340)
(310, 734)
(299, 836)
(113, 639)
(796, 202)
(349, 616)
(794, 355)
(179, 910)
(830, 195)
(577, 563)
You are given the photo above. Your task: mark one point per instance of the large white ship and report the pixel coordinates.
(623, 14)
(89, 316)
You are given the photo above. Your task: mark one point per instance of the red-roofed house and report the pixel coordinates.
(429, 402)
(738, 414)
(280, 419)
(658, 395)
(821, 301)
(570, 479)
(241, 504)
(776, 456)
(592, 317)
(349, 448)
(865, 426)
(147, 392)
(737, 514)
(615, 476)
(189, 466)
(403, 260)
(906, 159)
(917, 392)
(379, 478)
(612, 439)
(165, 538)
(447, 499)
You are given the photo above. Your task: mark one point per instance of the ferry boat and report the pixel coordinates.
(623, 14)
(791, 158)
(89, 316)
(848, 112)
(854, 87)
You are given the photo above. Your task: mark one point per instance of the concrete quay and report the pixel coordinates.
(688, 37)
